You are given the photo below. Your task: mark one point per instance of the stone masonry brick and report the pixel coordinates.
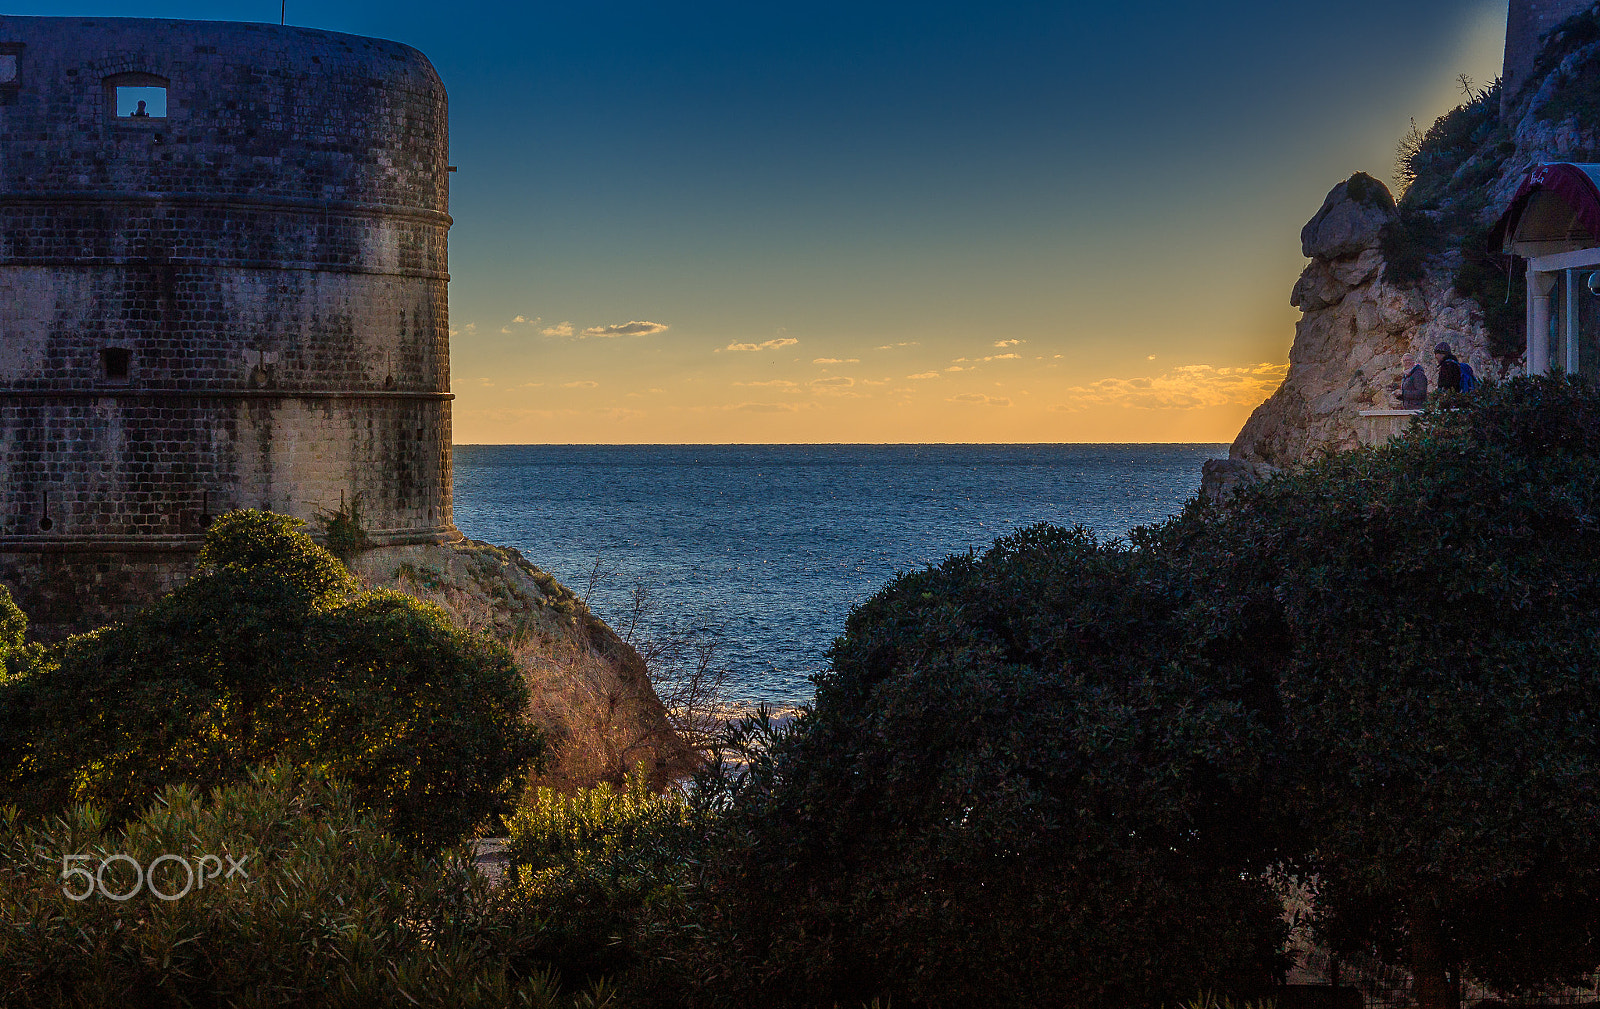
(240, 303)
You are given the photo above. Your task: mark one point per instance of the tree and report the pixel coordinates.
(1002, 796)
(1428, 611)
(271, 650)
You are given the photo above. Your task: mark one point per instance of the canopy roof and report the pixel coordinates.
(1556, 209)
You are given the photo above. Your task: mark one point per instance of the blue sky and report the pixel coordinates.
(893, 222)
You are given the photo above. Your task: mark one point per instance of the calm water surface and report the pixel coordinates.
(773, 544)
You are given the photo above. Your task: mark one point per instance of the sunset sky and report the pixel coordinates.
(891, 222)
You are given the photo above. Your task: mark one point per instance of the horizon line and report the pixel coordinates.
(795, 444)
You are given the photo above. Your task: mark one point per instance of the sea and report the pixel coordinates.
(759, 552)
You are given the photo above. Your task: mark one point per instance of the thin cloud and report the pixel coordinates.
(776, 383)
(581, 384)
(787, 341)
(635, 328)
(1009, 343)
(896, 346)
(955, 367)
(924, 374)
(835, 385)
(767, 407)
(836, 360)
(559, 329)
(979, 399)
(1191, 387)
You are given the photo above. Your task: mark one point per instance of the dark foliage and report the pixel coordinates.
(326, 910)
(272, 650)
(1038, 774)
(343, 532)
(1364, 189)
(1447, 146)
(1407, 241)
(1491, 280)
(1438, 676)
(1004, 795)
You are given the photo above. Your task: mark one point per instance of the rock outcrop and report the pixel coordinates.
(1348, 344)
(591, 692)
(1358, 320)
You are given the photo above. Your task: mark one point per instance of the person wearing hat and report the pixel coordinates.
(1449, 368)
(1414, 386)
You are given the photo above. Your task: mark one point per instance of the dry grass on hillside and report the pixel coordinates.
(595, 702)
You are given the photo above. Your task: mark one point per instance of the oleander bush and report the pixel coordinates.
(271, 649)
(309, 903)
(601, 866)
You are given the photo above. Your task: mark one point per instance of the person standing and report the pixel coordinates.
(1449, 368)
(1413, 385)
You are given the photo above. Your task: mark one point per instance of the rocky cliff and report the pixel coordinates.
(591, 692)
(1387, 278)
(1355, 328)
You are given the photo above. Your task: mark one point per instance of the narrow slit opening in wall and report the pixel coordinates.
(141, 102)
(115, 363)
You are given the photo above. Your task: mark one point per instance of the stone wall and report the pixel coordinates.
(1527, 23)
(241, 303)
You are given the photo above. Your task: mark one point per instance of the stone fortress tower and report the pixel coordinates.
(222, 284)
(1527, 23)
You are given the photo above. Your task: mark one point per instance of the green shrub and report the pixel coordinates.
(1053, 772)
(343, 531)
(272, 650)
(1490, 280)
(600, 865)
(326, 911)
(1000, 798)
(1407, 241)
(1425, 612)
(1364, 189)
(1430, 162)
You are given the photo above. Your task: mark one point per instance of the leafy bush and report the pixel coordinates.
(1001, 797)
(344, 532)
(1407, 241)
(1433, 660)
(327, 910)
(1428, 163)
(599, 865)
(1053, 772)
(271, 649)
(1488, 279)
(1364, 189)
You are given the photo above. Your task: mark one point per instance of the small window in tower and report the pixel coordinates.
(136, 97)
(141, 103)
(114, 363)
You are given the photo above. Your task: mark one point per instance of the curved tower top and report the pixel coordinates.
(1527, 24)
(222, 284)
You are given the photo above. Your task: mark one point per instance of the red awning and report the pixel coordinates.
(1576, 186)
